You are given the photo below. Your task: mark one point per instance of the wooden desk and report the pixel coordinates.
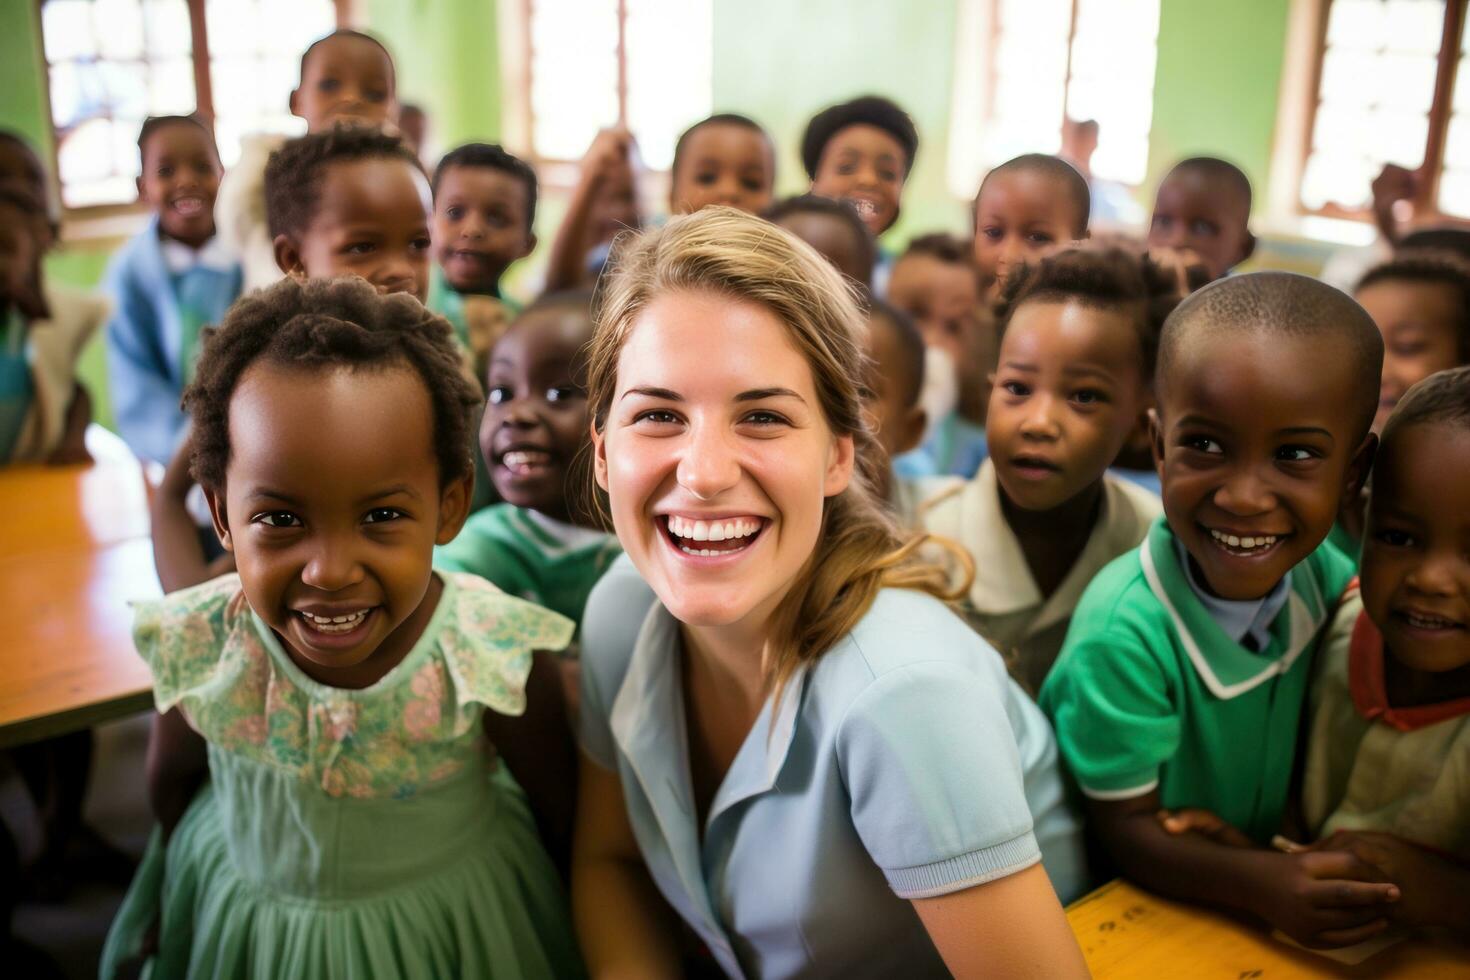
(1126, 932)
(74, 550)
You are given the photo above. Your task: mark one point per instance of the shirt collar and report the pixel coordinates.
(1227, 668)
(179, 258)
(1369, 688)
(1239, 618)
(566, 534)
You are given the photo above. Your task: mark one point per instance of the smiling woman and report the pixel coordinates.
(783, 728)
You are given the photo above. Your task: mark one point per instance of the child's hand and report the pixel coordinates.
(1433, 887)
(1205, 822)
(610, 148)
(1392, 185)
(1324, 898)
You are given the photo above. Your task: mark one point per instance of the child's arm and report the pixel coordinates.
(1434, 885)
(537, 746)
(624, 926)
(1319, 899)
(177, 554)
(177, 764)
(566, 266)
(72, 449)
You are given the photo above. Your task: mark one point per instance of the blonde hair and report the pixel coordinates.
(859, 550)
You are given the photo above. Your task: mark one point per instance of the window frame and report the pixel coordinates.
(1441, 108)
(203, 103)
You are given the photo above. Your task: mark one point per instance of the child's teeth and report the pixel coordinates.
(335, 624)
(1247, 543)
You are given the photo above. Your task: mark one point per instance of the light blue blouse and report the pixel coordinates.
(904, 764)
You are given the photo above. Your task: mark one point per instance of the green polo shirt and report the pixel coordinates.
(1149, 692)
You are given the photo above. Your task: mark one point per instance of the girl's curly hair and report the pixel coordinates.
(317, 326)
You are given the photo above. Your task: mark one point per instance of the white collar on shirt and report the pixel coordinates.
(1243, 617)
(179, 258)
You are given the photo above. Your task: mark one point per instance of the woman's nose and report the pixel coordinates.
(709, 464)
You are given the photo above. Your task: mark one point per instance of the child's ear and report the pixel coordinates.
(288, 257)
(454, 507)
(1248, 249)
(599, 457)
(1156, 440)
(914, 421)
(295, 103)
(530, 245)
(220, 517)
(1360, 467)
(138, 181)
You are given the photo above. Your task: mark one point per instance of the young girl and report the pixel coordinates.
(340, 689)
(776, 752)
(537, 543)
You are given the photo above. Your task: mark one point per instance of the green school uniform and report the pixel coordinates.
(527, 554)
(1149, 692)
(17, 389)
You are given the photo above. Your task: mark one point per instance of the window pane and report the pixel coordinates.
(166, 27)
(1454, 192)
(1113, 56)
(667, 53)
(1375, 93)
(171, 88)
(66, 30)
(574, 75)
(119, 25)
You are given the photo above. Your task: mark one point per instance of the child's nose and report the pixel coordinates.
(332, 567)
(1040, 421)
(1244, 493)
(1435, 575)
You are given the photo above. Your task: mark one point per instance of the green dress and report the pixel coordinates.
(347, 833)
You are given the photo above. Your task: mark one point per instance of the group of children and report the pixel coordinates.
(1144, 470)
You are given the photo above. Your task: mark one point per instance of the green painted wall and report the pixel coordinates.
(22, 74)
(780, 62)
(1217, 84)
(447, 56)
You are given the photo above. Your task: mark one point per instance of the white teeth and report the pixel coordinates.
(864, 208)
(740, 527)
(1427, 622)
(1246, 544)
(335, 624)
(522, 461)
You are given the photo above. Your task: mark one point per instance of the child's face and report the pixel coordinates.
(942, 297)
(865, 167)
(616, 208)
(346, 80)
(19, 257)
(1420, 323)
(372, 220)
(715, 428)
(835, 239)
(481, 226)
(536, 420)
(1416, 555)
(898, 423)
(723, 163)
(1204, 215)
(1068, 389)
(1256, 452)
(181, 175)
(1020, 216)
(332, 506)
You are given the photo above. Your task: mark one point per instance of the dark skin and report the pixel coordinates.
(1421, 323)
(1416, 588)
(835, 239)
(1242, 436)
(332, 505)
(944, 300)
(724, 163)
(604, 202)
(1068, 389)
(481, 225)
(536, 422)
(180, 179)
(346, 80)
(866, 167)
(1021, 216)
(371, 220)
(1201, 215)
(891, 395)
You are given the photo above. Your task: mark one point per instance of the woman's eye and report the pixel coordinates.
(657, 416)
(278, 518)
(380, 514)
(1396, 539)
(764, 418)
(1201, 444)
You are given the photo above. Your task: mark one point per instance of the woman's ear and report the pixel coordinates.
(599, 456)
(839, 466)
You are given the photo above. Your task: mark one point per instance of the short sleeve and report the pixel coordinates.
(182, 637)
(934, 777)
(614, 614)
(1108, 699)
(488, 644)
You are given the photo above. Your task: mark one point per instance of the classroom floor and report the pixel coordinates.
(72, 931)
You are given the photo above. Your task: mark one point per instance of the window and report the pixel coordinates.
(1385, 91)
(1023, 67)
(644, 64)
(113, 63)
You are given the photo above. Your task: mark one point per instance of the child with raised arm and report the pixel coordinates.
(348, 201)
(1389, 736)
(537, 543)
(1184, 672)
(340, 694)
(1043, 516)
(603, 204)
(484, 221)
(347, 79)
(1026, 209)
(170, 281)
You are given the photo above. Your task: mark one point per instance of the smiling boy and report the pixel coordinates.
(1182, 679)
